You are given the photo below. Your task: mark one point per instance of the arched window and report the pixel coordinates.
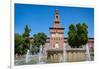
(57, 17)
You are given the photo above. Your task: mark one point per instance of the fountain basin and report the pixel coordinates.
(72, 55)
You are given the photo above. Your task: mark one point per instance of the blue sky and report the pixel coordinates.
(40, 17)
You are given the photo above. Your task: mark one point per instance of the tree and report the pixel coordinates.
(84, 36)
(18, 44)
(71, 35)
(39, 39)
(22, 42)
(26, 35)
(77, 35)
(26, 31)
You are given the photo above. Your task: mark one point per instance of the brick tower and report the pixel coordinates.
(56, 33)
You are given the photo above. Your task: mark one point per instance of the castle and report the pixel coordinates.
(55, 43)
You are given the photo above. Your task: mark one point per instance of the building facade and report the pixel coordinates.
(56, 33)
(57, 39)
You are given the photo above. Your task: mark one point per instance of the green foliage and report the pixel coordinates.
(18, 43)
(26, 31)
(22, 42)
(77, 35)
(71, 35)
(35, 49)
(39, 39)
(26, 41)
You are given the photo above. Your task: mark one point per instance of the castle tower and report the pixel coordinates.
(56, 33)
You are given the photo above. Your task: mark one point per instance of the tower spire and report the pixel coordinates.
(56, 19)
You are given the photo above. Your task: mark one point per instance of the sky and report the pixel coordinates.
(40, 18)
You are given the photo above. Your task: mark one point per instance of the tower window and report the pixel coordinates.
(57, 17)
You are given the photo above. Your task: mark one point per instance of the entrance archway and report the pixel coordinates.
(56, 45)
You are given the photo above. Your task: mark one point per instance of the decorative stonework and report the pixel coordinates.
(73, 55)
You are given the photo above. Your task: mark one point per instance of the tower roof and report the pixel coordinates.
(56, 11)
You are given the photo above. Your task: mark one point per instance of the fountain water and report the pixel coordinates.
(60, 59)
(30, 49)
(88, 53)
(40, 55)
(28, 55)
(64, 53)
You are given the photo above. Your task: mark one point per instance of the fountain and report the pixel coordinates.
(28, 55)
(30, 49)
(40, 55)
(60, 59)
(88, 53)
(64, 53)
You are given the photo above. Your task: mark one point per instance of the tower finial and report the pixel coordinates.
(56, 11)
